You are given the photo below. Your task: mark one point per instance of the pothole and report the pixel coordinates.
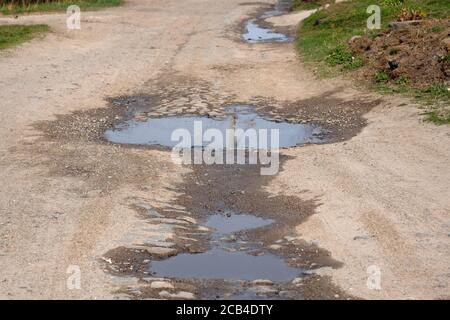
(253, 225)
(159, 130)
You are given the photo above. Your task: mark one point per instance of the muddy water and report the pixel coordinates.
(257, 31)
(158, 131)
(256, 34)
(222, 264)
(247, 250)
(228, 259)
(229, 223)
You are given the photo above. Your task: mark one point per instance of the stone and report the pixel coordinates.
(161, 251)
(404, 24)
(354, 38)
(180, 295)
(262, 282)
(161, 285)
(275, 247)
(263, 290)
(393, 64)
(188, 219)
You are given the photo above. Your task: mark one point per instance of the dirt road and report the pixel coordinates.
(375, 198)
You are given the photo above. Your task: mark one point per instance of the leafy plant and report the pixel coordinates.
(341, 56)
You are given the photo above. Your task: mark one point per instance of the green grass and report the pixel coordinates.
(59, 5)
(323, 39)
(16, 34)
(381, 77)
(325, 30)
(439, 119)
(438, 90)
(308, 5)
(340, 56)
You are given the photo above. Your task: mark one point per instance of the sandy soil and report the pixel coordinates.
(66, 199)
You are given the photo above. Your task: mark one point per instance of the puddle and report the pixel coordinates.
(255, 34)
(222, 263)
(158, 131)
(223, 224)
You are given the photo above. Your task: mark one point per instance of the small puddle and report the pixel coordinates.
(158, 131)
(256, 33)
(225, 262)
(221, 264)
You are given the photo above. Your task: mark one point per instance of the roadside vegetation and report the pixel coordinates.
(28, 6)
(308, 4)
(11, 35)
(408, 57)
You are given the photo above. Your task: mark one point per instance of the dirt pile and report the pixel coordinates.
(416, 53)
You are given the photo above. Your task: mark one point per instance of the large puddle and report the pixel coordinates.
(228, 259)
(158, 131)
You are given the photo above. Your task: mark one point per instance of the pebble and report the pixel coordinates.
(160, 251)
(161, 285)
(262, 282)
(180, 295)
(265, 290)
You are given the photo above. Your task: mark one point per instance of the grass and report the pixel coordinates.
(308, 4)
(324, 35)
(325, 30)
(15, 34)
(58, 5)
(381, 77)
(339, 56)
(437, 118)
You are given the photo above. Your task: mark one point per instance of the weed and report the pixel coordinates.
(381, 77)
